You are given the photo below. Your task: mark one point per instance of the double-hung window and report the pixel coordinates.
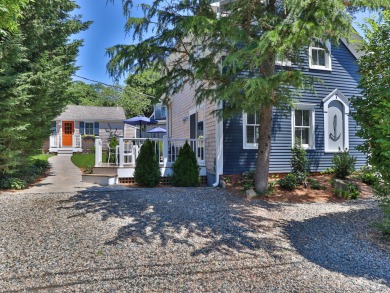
(88, 128)
(303, 124)
(251, 123)
(319, 56)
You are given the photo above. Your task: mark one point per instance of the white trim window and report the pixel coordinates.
(336, 122)
(303, 125)
(89, 128)
(251, 124)
(282, 61)
(320, 56)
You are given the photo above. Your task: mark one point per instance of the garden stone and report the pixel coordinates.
(341, 184)
(250, 193)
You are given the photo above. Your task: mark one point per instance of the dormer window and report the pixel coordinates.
(319, 56)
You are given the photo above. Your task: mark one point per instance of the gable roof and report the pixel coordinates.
(92, 113)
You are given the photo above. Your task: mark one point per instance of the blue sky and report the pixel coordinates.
(107, 30)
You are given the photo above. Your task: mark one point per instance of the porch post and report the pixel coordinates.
(165, 150)
(121, 155)
(98, 152)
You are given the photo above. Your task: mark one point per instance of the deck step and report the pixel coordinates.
(101, 179)
(65, 152)
(105, 170)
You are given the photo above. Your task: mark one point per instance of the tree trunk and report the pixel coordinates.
(263, 153)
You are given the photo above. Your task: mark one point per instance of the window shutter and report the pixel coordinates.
(82, 131)
(96, 130)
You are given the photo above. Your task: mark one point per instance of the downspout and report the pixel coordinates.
(218, 147)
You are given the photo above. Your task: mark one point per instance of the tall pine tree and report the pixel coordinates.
(36, 65)
(242, 36)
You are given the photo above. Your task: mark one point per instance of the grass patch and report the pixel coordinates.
(42, 157)
(86, 160)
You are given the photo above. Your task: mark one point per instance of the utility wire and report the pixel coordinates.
(110, 85)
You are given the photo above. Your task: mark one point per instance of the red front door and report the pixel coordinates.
(67, 133)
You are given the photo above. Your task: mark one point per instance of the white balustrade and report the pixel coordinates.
(166, 150)
(55, 141)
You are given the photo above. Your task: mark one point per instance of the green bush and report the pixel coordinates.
(147, 170)
(370, 178)
(352, 192)
(185, 171)
(344, 164)
(12, 183)
(289, 182)
(315, 184)
(299, 162)
(248, 175)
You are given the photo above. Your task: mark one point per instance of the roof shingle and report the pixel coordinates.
(94, 113)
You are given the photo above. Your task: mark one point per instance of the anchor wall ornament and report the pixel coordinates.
(334, 136)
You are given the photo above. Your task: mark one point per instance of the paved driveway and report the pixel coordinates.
(191, 240)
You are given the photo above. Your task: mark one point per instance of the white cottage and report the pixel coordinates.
(77, 127)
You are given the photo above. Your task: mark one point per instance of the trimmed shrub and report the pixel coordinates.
(185, 169)
(344, 164)
(299, 163)
(289, 182)
(147, 171)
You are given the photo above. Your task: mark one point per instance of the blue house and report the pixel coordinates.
(322, 121)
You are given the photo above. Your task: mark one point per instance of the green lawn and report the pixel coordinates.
(86, 160)
(43, 157)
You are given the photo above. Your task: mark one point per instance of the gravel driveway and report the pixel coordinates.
(186, 240)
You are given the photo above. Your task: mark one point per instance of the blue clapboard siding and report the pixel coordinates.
(345, 77)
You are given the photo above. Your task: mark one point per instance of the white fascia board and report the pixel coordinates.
(354, 46)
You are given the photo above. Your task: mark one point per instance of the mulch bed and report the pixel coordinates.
(304, 195)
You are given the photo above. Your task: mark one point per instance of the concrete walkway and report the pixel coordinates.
(64, 176)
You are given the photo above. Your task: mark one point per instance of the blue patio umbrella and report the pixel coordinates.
(140, 120)
(157, 130)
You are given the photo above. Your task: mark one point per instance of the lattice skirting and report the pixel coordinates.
(164, 180)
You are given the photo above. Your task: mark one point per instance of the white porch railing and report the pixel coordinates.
(166, 149)
(56, 141)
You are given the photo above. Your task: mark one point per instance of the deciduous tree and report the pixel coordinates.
(373, 106)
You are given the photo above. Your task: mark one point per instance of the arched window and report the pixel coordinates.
(336, 126)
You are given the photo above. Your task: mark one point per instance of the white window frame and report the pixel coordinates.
(85, 128)
(246, 145)
(310, 107)
(282, 62)
(328, 57)
(195, 111)
(336, 95)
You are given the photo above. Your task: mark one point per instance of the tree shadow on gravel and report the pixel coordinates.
(208, 220)
(340, 242)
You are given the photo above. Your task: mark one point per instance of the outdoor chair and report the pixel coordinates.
(128, 154)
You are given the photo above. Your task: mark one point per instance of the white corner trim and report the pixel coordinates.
(336, 95)
(218, 146)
